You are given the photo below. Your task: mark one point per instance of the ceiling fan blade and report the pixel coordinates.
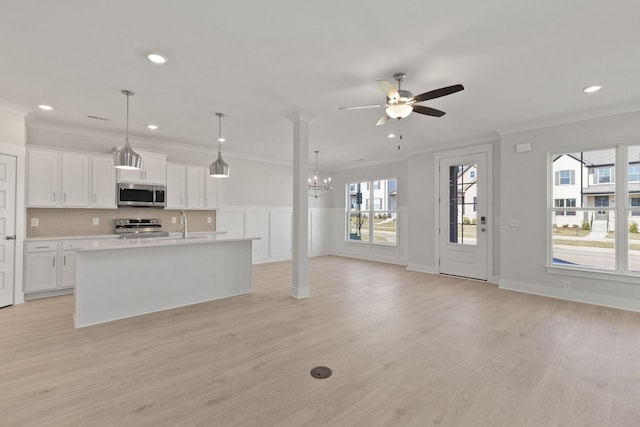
(360, 107)
(382, 120)
(432, 94)
(428, 111)
(389, 90)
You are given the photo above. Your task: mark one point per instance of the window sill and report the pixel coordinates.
(359, 242)
(611, 276)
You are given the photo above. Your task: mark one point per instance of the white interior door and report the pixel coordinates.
(463, 224)
(7, 227)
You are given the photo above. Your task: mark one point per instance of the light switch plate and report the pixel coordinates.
(208, 220)
(173, 220)
(35, 222)
(96, 221)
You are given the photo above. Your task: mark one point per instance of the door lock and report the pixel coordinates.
(10, 237)
(483, 220)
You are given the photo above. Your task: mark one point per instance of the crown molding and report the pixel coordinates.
(14, 108)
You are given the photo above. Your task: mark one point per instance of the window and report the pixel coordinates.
(634, 173)
(371, 214)
(596, 234)
(472, 174)
(565, 177)
(603, 175)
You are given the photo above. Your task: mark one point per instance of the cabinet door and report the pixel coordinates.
(195, 187)
(130, 175)
(42, 175)
(212, 186)
(75, 180)
(154, 167)
(176, 184)
(103, 182)
(68, 267)
(40, 271)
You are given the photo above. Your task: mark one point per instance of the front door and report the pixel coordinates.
(602, 202)
(7, 227)
(464, 223)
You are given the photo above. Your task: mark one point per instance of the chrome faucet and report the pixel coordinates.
(183, 221)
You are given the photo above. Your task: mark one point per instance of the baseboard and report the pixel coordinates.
(571, 295)
(421, 268)
(385, 260)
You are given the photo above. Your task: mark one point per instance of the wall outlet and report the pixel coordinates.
(35, 222)
(173, 220)
(566, 284)
(208, 220)
(96, 221)
(514, 222)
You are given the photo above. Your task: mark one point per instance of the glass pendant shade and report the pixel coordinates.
(219, 168)
(125, 157)
(399, 111)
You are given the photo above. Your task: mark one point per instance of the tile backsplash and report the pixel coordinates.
(58, 222)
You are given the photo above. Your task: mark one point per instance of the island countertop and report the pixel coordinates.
(111, 244)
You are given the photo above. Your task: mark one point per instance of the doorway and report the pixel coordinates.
(463, 224)
(7, 228)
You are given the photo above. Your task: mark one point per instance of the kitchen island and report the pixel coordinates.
(116, 279)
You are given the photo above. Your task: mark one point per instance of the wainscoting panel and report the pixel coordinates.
(257, 225)
(280, 243)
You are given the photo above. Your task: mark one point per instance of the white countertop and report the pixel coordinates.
(174, 235)
(108, 244)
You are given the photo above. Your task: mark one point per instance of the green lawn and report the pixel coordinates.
(570, 232)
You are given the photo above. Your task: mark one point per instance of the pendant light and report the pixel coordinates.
(125, 157)
(219, 169)
(318, 189)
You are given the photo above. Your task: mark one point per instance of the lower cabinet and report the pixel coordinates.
(50, 266)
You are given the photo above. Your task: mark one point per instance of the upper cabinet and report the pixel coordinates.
(212, 186)
(186, 187)
(152, 171)
(62, 179)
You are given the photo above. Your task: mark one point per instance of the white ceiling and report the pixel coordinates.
(523, 64)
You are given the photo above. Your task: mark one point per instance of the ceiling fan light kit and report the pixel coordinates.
(401, 103)
(125, 157)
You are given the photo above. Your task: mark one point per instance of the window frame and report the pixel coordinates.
(369, 210)
(622, 211)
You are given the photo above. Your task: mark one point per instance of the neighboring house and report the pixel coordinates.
(467, 194)
(382, 194)
(588, 180)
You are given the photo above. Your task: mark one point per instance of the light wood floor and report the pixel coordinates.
(406, 349)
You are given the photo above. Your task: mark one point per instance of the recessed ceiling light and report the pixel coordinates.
(156, 58)
(391, 135)
(45, 107)
(152, 127)
(591, 89)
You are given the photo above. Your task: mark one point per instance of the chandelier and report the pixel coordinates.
(318, 189)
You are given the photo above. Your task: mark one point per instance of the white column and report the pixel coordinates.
(299, 283)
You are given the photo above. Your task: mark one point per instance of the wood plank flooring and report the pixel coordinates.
(406, 349)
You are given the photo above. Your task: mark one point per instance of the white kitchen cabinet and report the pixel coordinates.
(42, 178)
(69, 180)
(195, 187)
(75, 180)
(152, 171)
(212, 186)
(40, 266)
(186, 186)
(103, 182)
(41, 272)
(50, 266)
(176, 186)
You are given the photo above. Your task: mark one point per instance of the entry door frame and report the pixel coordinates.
(19, 152)
(487, 149)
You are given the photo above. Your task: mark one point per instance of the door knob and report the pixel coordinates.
(10, 237)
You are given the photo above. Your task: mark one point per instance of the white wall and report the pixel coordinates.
(337, 221)
(524, 184)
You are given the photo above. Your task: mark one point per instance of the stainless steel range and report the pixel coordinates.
(136, 228)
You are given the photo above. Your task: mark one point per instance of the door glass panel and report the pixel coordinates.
(463, 192)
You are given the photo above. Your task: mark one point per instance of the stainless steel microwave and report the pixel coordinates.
(141, 195)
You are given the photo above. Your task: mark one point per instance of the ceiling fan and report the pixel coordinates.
(400, 102)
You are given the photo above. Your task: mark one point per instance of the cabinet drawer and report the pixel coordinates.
(75, 244)
(41, 246)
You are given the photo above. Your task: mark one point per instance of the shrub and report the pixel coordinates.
(465, 220)
(633, 227)
(565, 225)
(586, 225)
